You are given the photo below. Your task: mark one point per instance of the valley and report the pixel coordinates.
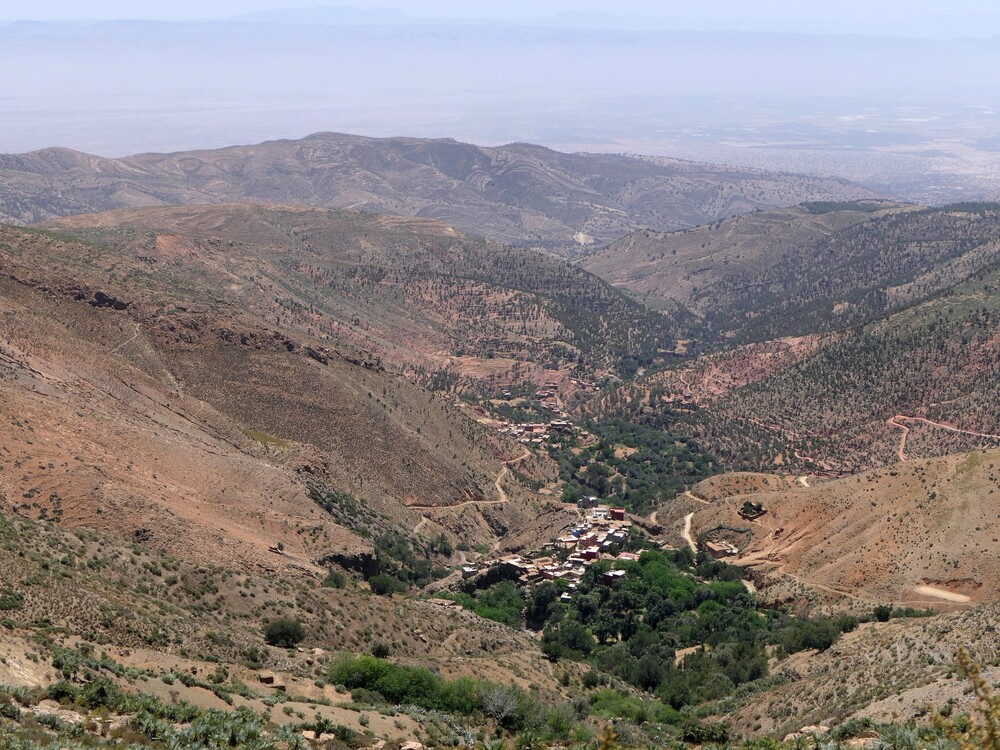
(514, 450)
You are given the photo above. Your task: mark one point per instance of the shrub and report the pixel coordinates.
(335, 580)
(696, 733)
(370, 678)
(284, 633)
(9, 710)
(385, 585)
(10, 599)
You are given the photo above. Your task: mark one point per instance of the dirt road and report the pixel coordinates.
(687, 533)
(897, 421)
(901, 451)
(691, 496)
(504, 497)
(948, 596)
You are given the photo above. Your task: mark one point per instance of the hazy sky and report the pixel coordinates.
(121, 88)
(905, 17)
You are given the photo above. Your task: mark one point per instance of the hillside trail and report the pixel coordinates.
(504, 497)
(802, 457)
(691, 496)
(897, 421)
(686, 533)
(820, 586)
(129, 341)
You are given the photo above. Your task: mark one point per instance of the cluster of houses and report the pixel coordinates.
(547, 397)
(536, 433)
(587, 542)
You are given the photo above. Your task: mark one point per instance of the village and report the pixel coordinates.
(547, 399)
(589, 541)
(592, 539)
(598, 535)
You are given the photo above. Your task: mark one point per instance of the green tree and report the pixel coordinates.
(285, 633)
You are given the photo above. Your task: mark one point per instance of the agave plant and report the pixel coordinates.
(291, 739)
(897, 738)
(529, 741)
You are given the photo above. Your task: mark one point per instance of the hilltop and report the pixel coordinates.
(519, 193)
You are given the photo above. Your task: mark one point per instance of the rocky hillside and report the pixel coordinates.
(151, 403)
(920, 534)
(519, 193)
(920, 382)
(808, 269)
(417, 293)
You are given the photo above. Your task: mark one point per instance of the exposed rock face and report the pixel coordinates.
(101, 299)
(364, 563)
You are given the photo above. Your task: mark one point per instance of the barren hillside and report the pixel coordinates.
(919, 534)
(519, 193)
(888, 672)
(150, 404)
(417, 293)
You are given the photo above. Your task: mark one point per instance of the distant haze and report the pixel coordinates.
(909, 116)
(927, 18)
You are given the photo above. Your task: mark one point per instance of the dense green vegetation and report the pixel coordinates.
(633, 629)
(502, 602)
(374, 679)
(635, 466)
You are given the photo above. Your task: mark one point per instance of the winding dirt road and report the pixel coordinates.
(687, 533)
(901, 451)
(897, 421)
(691, 496)
(504, 497)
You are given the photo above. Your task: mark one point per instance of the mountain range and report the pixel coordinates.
(519, 194)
